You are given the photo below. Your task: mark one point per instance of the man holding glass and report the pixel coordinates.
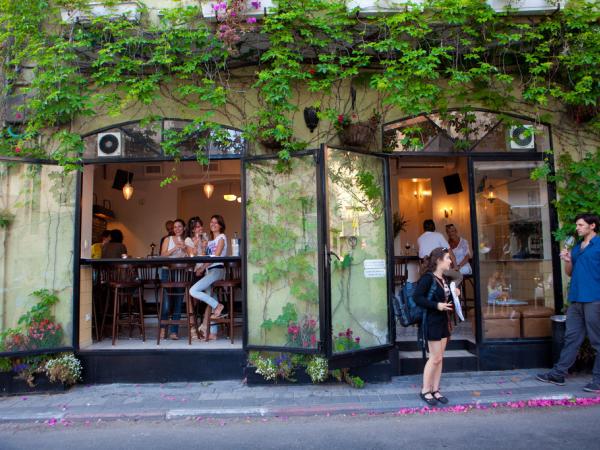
(582, 264)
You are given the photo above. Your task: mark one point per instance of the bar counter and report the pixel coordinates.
(160, 260)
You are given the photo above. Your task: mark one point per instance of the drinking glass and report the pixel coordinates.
(407, 247)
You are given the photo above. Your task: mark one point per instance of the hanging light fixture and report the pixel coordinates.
(239, 199)
(230, 197)
(209, 188)
(128, 189)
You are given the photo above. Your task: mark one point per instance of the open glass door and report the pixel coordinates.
(358, 247)
(37, 242)
(317, 255)
(282, 258)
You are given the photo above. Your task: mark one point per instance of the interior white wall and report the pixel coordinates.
(142, 218)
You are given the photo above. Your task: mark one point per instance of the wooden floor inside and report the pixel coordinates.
(124, 342)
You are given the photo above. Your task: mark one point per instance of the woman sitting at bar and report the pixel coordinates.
(460, 248)
(213, 272)
(115, 247)
(195, 234)
(174, 247)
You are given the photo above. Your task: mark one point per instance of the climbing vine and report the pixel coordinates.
(424, 57)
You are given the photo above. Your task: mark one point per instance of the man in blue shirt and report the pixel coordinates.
(582, 264)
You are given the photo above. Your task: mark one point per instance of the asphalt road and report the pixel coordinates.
(555, 428)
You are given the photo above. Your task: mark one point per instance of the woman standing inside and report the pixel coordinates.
(174, 247)
(433, 294)
(212, 272)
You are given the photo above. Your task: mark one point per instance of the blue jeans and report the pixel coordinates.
(172, 296)
(203, 287)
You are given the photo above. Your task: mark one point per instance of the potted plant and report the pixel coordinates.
(356, 133)
(6, 217)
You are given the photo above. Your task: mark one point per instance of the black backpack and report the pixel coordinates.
(405, 307)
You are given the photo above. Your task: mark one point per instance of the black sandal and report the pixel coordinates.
(440, 398)
(430, 401)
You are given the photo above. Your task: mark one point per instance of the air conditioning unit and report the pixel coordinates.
(130, 10)
(109, 144)
(522, 137)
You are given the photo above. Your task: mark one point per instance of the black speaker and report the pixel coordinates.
(122, 177)
(453, 184)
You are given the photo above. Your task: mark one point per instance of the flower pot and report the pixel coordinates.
(358, 134)
(9, 385)
(270, 143)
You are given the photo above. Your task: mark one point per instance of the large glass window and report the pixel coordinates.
(37, 208)
(282, 254)
(357, 236)
(514, 251)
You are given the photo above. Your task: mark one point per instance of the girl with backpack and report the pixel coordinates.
(436, 326)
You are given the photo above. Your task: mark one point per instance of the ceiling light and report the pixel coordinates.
(208, 189)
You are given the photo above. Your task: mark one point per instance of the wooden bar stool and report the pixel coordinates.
(148, 277)
(179, 276)
(123, 284)
(225, 291)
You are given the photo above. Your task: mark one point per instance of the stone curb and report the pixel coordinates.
(384, 407)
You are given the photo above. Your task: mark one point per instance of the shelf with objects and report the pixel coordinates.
(515, 260)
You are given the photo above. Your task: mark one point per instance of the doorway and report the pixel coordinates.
(436, 189)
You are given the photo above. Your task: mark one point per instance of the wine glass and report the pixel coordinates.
(569, 243)
(407, 247)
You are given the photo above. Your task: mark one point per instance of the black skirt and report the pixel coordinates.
(438, 325)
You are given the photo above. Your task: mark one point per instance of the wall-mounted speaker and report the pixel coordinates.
(452, 184)
(122, 177)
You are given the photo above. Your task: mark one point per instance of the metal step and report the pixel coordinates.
(411, 362)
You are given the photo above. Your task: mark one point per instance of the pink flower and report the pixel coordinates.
(357, 340)
(251, 20)
(17, 149)
(255, 4)
(341, 118)
(313, 340)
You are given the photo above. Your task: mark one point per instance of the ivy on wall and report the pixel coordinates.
(423, 58)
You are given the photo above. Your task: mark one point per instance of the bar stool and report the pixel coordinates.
(179, 276)
(148, 277)
(123, 284)
(225, 291)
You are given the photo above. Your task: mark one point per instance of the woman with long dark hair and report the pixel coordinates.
(174, 247)
(433, 294)
(217, 246)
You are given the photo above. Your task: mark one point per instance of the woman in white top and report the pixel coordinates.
(460, 248)
(197, 237)
(213, 272)
(177, 246)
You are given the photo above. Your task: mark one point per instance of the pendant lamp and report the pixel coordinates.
(230, 197)
(209, 188)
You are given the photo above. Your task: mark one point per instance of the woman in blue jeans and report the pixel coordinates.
(212, 272)
(177, 246)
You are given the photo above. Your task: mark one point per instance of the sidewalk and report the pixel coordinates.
(234, 399)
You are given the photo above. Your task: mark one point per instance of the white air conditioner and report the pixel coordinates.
(522, 137)
(130, 10)
(109, 144)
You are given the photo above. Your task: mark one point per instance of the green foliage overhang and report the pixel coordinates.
(425, 57)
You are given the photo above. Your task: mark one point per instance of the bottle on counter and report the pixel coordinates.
(235, 245)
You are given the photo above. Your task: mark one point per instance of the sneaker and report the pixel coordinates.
(592, 387)
(551, 378)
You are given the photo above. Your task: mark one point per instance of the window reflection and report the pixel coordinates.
(514, 251)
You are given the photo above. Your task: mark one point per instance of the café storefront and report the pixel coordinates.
(318, 257)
